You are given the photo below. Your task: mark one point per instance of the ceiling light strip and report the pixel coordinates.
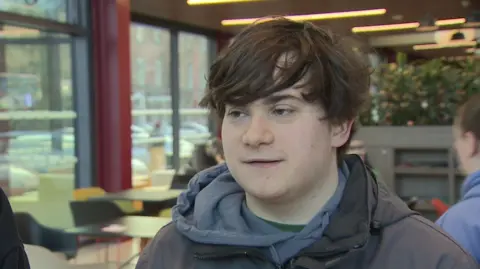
(406, 26)
(450, 22)
(310, 17)
(386, 27)
(452, 44)
(215, 2)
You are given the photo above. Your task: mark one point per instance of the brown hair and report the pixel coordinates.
(335, 74)
(468, 116)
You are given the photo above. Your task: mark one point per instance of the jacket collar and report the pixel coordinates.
(366, 207)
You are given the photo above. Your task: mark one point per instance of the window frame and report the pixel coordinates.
(80, 41)
(175, 29)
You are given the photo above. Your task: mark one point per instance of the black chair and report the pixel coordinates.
(56, 240)
(180, 181)
(92, 212)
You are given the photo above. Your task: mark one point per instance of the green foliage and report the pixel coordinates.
(426, 93)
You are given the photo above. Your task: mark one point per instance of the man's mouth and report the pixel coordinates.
(263, 162)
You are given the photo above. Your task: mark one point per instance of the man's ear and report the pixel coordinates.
(473, 144)
(341, 133)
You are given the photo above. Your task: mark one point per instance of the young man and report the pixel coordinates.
(288, 93)
(461, 221)
(12, 253)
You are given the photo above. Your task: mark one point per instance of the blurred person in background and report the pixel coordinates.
(204, 156)
(462, 221)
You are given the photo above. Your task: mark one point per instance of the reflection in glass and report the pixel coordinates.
(151, 103)
(37, 138)
(193, 68)
(46, 9)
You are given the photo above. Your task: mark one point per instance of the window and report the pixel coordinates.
(51, 9)
(151, 106)
(190, 76)
(141, 71)
(44, 97)
(193, 67)
(158, 73)
(157, 37)
(139, 34)
(37, 130)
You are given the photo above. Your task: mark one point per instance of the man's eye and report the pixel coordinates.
(282, 111)
(235, 114)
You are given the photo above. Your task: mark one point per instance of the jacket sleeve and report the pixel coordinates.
(152, 256)
(167, 250)
(12, 253)
(15, 259)
(148, 259)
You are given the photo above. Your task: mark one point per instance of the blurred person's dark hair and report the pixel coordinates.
(205, 155)
(214, 147)
(333, 70)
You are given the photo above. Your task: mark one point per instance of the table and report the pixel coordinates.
(154, 198)
(133, 227)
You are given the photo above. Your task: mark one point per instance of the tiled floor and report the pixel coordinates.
(118, 253)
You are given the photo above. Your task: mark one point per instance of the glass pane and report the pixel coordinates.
(37, 138)
(193, 67)
(46, 9)
(151, 105)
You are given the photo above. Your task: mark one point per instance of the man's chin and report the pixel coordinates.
(268, 196)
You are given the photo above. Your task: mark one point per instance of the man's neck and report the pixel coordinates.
(301, 211)
(474, 166)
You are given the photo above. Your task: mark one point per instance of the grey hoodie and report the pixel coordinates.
(217, 214)
(368, 228)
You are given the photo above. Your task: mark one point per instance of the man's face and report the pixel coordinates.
(279, 147)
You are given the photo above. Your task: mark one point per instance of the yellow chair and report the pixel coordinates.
(165, 213)
(84, 194)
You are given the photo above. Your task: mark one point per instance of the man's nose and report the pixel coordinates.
(258, 132)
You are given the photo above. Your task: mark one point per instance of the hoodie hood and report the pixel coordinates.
(212, 211)
(209, 211)
(471, 186)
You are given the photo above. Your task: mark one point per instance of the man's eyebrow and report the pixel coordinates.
(273, 99)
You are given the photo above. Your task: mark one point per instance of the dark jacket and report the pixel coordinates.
(371, 228)
(12, 253)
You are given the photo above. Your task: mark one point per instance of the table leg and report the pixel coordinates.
(143, 243)
(153, 208)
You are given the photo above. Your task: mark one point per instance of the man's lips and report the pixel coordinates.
(263, 162)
